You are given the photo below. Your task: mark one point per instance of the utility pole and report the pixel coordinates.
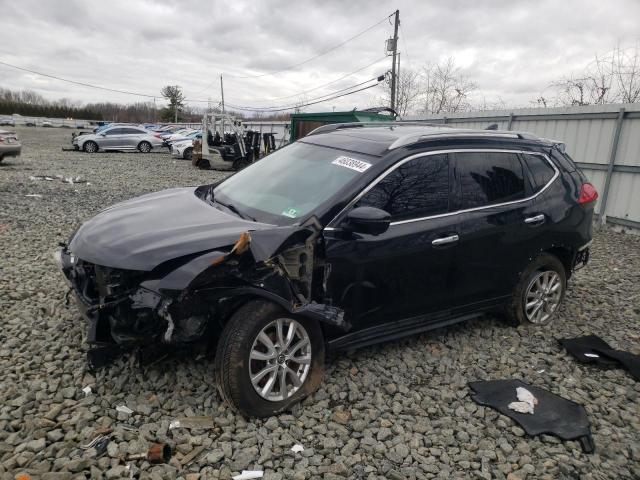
(393, 65)
(222, 97)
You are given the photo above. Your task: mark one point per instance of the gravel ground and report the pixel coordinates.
(398, 410)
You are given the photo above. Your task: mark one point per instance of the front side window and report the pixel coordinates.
(417, 188)
(113, 131)
(488, 178)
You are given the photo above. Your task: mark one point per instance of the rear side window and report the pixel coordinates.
(418, 188)
(487, 178)
(131, 131)
(541, 171)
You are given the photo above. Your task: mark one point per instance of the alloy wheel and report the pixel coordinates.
(280, 359)
(90, 147)
(145, 147)
(543, 296)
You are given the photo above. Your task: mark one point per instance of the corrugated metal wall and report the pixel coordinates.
(590, 136)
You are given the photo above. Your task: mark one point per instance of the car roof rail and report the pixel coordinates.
(417, 137)
(439, 131)
(339, 126)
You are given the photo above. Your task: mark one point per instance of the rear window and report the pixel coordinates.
(487, 178)
(541, 171)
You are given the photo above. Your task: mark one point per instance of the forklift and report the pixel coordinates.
(225, 145)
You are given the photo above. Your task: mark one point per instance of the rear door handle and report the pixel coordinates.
(533, 220)
(445, 240)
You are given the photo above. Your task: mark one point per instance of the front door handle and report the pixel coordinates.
(445, 240)
(533, 220)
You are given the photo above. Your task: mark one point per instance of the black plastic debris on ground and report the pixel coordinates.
(552, 415)
(593, 349)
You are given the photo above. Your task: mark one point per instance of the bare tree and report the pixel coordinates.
(445, 88)
(612, 78)
(626, 64)
(410, 89)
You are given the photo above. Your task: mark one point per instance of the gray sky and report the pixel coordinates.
(511, 49)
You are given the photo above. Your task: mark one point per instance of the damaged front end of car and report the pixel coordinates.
(188, 299)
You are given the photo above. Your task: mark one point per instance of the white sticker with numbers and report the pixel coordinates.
(352, 163)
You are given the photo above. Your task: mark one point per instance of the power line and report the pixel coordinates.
(98, 87)
(404, 42)
(126, 92)
(78, 83)
(328, 83)
(320, 100)
(291, 67)
(317, 98)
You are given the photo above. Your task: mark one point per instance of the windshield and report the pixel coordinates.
(290, 183)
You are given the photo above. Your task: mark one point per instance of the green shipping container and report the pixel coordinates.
(303, 123)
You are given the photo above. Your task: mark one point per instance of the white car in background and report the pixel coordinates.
(182, 149)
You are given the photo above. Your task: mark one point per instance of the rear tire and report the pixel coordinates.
(144, 147)
(539, 293)
(90, 146)
(242, 356)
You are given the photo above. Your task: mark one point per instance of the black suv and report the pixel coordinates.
(353, 235)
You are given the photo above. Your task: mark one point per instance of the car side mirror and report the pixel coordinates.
(371, 220)
(102, 134)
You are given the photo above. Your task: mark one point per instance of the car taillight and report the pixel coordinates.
(588, 194)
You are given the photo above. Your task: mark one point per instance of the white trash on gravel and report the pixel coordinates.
(249, 474)
(297, 448)
(124, 409)
(527, 401)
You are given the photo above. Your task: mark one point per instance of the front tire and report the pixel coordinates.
(90, 147)
(268, 359)
(188, 154)
(144, 147)
(540, 292)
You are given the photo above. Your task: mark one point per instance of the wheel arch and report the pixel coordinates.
(565, 255)
(241, 296)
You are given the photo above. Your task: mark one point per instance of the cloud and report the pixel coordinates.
(511, 50)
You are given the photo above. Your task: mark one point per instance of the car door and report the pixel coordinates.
(130, 138)
(110, 139)
(497, 224)
(408, 270)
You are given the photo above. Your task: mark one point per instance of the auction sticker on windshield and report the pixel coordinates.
(352, 163)
(290, 212)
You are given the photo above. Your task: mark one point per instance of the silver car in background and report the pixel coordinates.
(9, 144)
(118, 138)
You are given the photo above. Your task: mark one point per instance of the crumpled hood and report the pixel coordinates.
(143, 232)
